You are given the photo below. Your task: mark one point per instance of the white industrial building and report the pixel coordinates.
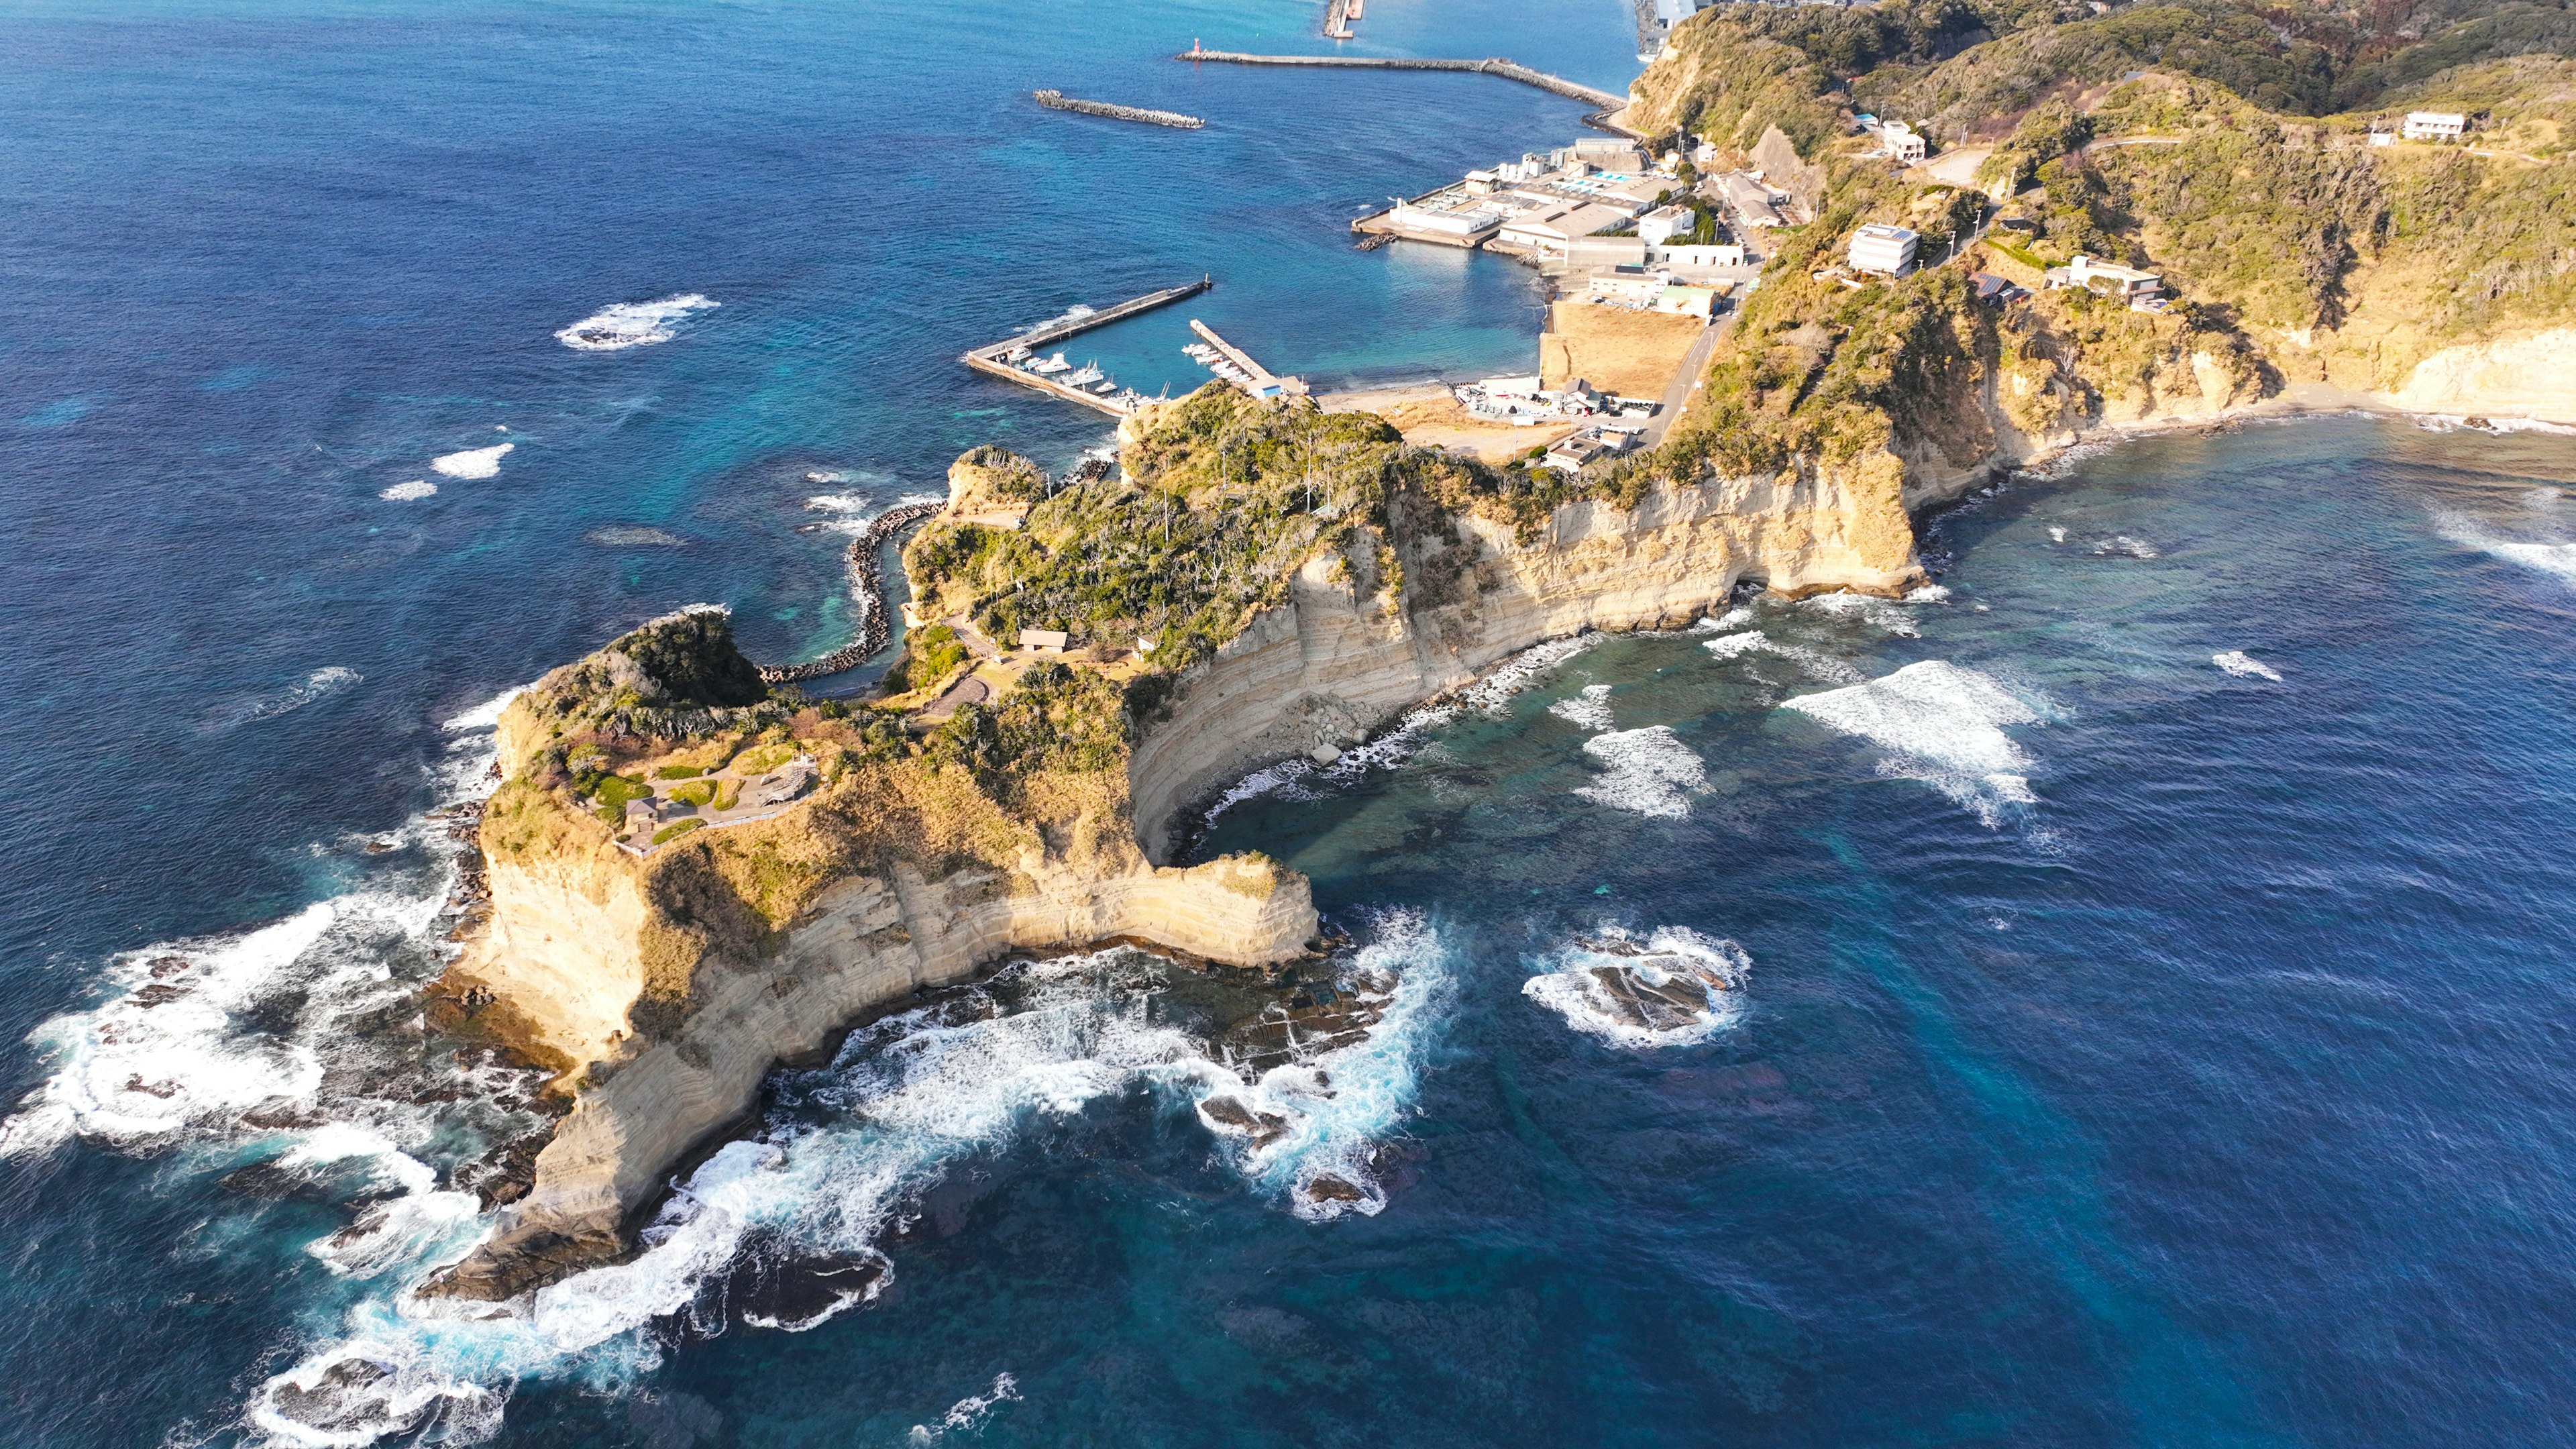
(1879, 247)
(1664, 223)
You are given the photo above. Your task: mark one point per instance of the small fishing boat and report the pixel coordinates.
(1052, 365)
(1104, 386)
(1085, 375)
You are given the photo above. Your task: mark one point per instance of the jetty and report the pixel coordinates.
(1257, 380)
(874, 632)
(1605, 101)
(1059, 101)
(1337, 19)
(994, 359)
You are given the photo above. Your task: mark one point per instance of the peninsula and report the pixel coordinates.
(2163, 214)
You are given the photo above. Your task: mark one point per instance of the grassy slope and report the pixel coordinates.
(2296, 252)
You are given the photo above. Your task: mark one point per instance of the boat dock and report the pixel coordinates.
(1257, 380)
(995, 358)
(1492, 65)
(1059, 101)
(1338, 17)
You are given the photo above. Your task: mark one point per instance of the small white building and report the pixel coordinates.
(1898, 140)
(1688, 301)
(1879, 247)
(2095, 275)
(1701, 258)
(1664, 223)
(2435, 126)
(1547, 233)
(1044, 641)
(1628, 286)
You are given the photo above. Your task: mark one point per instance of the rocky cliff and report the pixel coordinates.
(1304, 580)
(1342, 656)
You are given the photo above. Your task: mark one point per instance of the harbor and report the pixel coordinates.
(1236, 366)
(1019, 359)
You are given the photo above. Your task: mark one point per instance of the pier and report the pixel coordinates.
(1494, 65)
(1262, 382)
(874, 632)
(1059, 101)
(1338, 17)
(988, 359)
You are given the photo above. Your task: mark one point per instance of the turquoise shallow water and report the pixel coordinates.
(2131, 1052)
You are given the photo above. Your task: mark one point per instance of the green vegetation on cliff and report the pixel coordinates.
(2199, 140)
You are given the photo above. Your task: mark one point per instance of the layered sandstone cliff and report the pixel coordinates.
(1340, 660)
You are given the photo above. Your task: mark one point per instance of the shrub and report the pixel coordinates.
(696, 792)
(678, 828)
(679, 772)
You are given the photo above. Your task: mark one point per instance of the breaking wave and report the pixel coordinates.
(1945, 725)
(2244, 665)
(1589, 710)
(411, 492)
(631, 324)
(1651, 772)
(844, 1161)
(319, 685)
(968, 1414)
(1677, 988)
(1823, 666)
(473, 462)
(2554, 557)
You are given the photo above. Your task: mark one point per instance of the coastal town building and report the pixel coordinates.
(1885, 249)
(2435, 126)
(1702, 257)
(1629, 286)
(1897, 141)
(1590, 253)
(1664, 222)
(1548, 233)
(1755, 204)
(2137, 288)
(1687, 301)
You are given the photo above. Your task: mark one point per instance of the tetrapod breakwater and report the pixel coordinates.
(874, 632)
(1059, 101)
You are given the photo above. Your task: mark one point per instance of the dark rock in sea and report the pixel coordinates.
(802, 1294)
(523, 1256)
(1329, 1187)
(1231, 1114)
(272, 1182)
(165, 967)
(163, 1090)
(157, 993)
(344, 1401)
(282, 1115)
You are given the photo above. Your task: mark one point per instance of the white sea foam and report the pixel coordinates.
(1571, 990)
(1878, 613)
(631, 324)
(1929, 594)
(1589, 710)
(413, 491)
(1733, 646)
(2445, 422)
(968, 1414)
(1651, 772)
(1734, 618)
(1340, 1106)
(320, 684)
(907, 1101)
(484, 716)
(2120, 545)
(2549, 556)
(2244, 665)
(1823, 666)
(2057, 535)
(1298, 779)
(1521, 670)
(473, 462)
(1945, 724)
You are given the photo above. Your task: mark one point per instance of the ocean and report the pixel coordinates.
(2149, 946)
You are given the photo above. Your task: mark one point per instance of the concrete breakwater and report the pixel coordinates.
(1059, 101)
(874, 632)
(1495, 65)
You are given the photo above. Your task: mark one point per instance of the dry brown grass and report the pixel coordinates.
(1616, 349)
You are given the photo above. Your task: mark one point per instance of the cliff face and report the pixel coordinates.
(567, 950)
(1340, 659)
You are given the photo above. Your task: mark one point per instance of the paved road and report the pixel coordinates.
(1677, 392)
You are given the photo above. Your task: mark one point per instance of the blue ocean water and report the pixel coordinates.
(2133, 1050)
